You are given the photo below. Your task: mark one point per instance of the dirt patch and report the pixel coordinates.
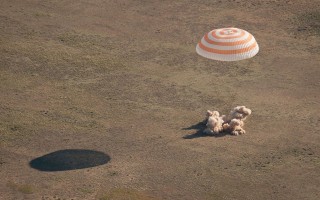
(308, 23)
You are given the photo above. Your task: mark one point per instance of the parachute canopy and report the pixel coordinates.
(227, 44)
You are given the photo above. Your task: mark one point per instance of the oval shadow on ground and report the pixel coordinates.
(69, 159)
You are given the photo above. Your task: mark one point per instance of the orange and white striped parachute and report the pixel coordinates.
(227, 44)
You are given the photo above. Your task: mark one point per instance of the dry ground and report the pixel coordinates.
(122, 77)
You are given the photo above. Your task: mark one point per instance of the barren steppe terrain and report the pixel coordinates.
(121, 78)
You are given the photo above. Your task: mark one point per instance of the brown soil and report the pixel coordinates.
(122, 78)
